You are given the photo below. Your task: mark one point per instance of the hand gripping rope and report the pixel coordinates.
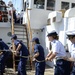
(21, 56)
(14, 52)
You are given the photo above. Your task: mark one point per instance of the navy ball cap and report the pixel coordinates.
(14, 36)
(35, 39)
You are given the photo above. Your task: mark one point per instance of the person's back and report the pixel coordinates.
(1, 46)
(61, 52)
(23, 50)
(22, 14)
(14, 16)
(41, 52)
(3, 56)
(38, 57)
(18, 18)
(5, 46)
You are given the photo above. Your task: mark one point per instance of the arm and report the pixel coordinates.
(52, 56)
(1, 53)
(36, 52)
(49, 53)
(36, 55)
(11, 48)
(55, 50)
(18, 48)
(69, 59)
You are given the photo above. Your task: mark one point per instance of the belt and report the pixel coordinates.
(40, 61)
(24, 56)
(58, 58)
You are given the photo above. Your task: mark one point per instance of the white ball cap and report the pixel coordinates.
(72, 32)
(10, 3)
(53, 31)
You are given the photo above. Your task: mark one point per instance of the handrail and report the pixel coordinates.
(29, 28)
(30, 33)
(13, 43)
(30, 37)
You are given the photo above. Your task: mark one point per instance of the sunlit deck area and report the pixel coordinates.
(48, 71)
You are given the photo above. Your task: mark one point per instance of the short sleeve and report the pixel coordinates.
(16, 43)
(1, 46)
(36, 49)
(73, 51)
(5, 46)
(73, 55)
(55, 48)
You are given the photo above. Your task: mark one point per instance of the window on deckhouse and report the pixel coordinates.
(73, 5)
(65, 5)
(39, 4)
(50, 5)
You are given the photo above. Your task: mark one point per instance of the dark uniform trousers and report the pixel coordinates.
(73, 70)
(3, 59)
(62, 67)
(22, 66)
(1, 65)
(40, 68)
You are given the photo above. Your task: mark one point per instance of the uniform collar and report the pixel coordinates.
(53, 41)
(72, 43)
(0, 41)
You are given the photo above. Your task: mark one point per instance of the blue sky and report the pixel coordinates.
(17, 4)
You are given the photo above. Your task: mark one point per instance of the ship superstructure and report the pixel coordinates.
(40, 16)
(45, 15)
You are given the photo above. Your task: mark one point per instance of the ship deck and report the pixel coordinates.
(48, 71)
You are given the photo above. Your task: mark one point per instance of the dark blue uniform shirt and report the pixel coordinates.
(23, 50)
(4, 55)
(3, 46)
(39, 48)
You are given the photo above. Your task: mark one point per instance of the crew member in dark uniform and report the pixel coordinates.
(3, 56)
(38, 57)
(22, 50)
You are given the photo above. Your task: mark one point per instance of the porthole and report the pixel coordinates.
(9, 34)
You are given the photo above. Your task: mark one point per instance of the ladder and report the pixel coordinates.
(21, 31)
(24, 34)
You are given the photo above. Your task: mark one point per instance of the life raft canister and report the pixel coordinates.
(10, 12)
(0, 16)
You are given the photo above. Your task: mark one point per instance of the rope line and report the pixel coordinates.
(15, 52)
